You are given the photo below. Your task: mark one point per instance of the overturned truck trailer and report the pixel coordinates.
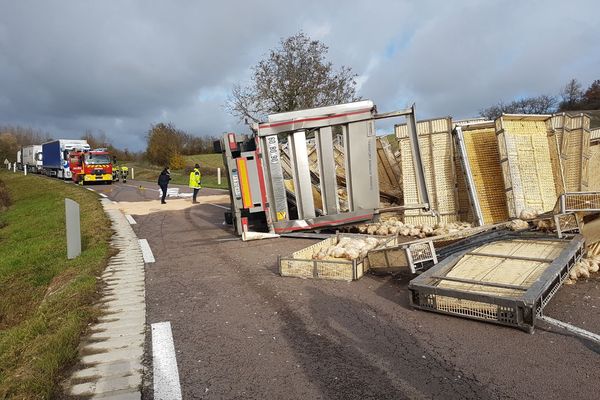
(265, 196)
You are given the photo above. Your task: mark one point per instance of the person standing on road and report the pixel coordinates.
(163, 182)
(195, 177)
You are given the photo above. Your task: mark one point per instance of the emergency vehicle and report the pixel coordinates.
(91, 166)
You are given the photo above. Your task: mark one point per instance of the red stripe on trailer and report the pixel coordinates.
(231, 140)
(261, 180)
(276, 124)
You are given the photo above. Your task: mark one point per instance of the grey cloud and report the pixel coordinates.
(67, 66)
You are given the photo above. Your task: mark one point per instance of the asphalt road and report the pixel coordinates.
(243, 332)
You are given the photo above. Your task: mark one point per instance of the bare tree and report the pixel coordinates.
(543, 104)
(571, 95)
(294, 76)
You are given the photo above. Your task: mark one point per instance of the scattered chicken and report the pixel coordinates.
(517, 225)
(545, 225)
(349, 248)
(393, 226)
(528, 214)
(583, 269)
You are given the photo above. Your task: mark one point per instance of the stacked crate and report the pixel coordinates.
(437, 154)
(594, 167)
(569, 140)
(484, 161)
(525, 161)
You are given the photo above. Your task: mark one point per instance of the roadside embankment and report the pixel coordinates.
(46, 300)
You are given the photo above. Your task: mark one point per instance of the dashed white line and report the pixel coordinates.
(90, 189)
(130, 219)
(103, 195)
(146, 251)
(218, 205)
(166, 374)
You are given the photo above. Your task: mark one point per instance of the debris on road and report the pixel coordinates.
(340, 257)
(484, 211)
(148, 207)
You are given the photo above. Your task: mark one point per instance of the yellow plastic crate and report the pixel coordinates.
(301, 264)
(525, 161)
(484, 161)
(569, 141)
(441, 178)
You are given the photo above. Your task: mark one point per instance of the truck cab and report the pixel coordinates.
(91, 166)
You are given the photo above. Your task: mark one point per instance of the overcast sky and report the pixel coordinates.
(120, 66)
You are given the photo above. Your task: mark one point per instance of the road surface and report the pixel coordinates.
(240, 331)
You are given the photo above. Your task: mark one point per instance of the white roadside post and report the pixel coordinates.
(8, 165)
(25, 170)
(73, 229)
(132, 174)
(14, 167)
(219, 176)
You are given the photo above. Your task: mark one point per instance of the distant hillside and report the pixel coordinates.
(206, 160)
(594, 118)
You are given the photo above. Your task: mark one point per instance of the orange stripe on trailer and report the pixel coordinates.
(245, 186)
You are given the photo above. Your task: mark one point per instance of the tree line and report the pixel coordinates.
(572, 97)
(166, 145)
(12, 138)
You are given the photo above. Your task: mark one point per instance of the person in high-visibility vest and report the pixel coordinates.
(124, 173)
(195, 177)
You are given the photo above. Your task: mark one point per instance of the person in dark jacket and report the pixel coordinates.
(163, 182)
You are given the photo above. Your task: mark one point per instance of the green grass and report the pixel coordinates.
(393, 141)
(206, 160)
(208, 166)
(46, 300)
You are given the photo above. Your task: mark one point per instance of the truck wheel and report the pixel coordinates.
(228, 217)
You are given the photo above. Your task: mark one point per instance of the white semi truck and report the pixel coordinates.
(30, 157)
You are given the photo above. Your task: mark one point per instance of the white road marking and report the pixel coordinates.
(103, 195)
(130, 219)
(90, 189)
(217, 205)
(226, 239)
(166, 374)
(146, 251)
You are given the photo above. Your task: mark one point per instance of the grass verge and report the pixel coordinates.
(208, 166)
(46, 299)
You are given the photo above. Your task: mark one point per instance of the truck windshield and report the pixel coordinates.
(97, 159)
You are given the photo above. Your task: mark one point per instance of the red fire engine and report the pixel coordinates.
(91, 166)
